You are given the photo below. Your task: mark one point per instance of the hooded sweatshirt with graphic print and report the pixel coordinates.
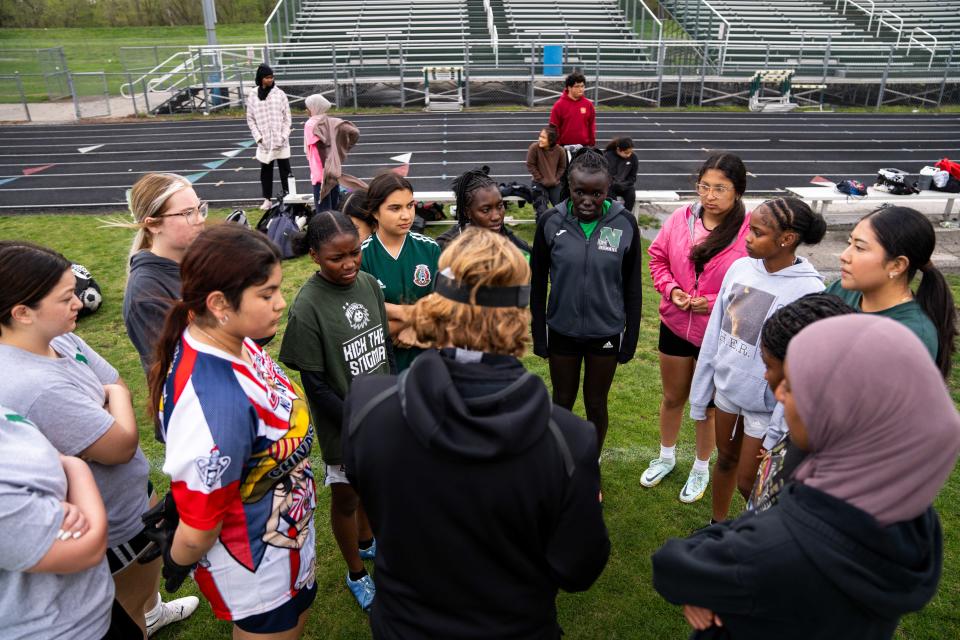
(730, 359)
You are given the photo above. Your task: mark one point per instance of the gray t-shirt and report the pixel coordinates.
(41, 605)
(64, 397)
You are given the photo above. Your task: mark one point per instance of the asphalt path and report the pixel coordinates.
(88, 167)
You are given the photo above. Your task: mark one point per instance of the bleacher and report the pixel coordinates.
(558, 20)
(797, 33)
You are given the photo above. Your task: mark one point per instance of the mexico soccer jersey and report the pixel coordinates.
(405, 278)
(238, 444)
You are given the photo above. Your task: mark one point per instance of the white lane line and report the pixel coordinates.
(469, 163)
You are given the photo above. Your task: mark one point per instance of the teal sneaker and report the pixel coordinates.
(657, 471)
(363, 590)
(695, 486)
(370, 552)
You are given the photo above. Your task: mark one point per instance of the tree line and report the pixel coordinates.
(126, 13)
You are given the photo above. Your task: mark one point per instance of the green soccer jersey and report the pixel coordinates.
(340, 332)
(404, 279)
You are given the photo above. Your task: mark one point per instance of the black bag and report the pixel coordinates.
(281, 223)
(518, 190)
(541, 201)
(431, 211)
(87, 290)
(952, 186)
(894, 181)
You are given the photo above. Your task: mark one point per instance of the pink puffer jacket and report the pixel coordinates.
(671, 267)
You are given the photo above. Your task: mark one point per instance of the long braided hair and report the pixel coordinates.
(585, 159)
(464, 188)
(789, 320)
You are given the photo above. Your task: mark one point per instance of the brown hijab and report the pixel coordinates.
(883, 432)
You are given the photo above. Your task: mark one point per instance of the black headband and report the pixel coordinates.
(450, 289)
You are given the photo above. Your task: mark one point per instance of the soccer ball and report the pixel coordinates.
(91, 299)
(87, 290)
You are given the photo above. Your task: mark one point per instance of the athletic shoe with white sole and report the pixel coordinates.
(173, 611)
(370, 552)
(363, 590)
(266, 204)
(695, 486)
(657, 471)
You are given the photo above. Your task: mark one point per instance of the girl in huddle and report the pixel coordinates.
(238, 437)
(786, 322)
(589, 249)
(83, 407)
(168, 216)
(886, 250)
(336, 331)
(479, 204)
(355, 206)
(688, 259)
(403, 263)
(730, 369)
(853, 541)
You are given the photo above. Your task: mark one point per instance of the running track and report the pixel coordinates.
(88, 167)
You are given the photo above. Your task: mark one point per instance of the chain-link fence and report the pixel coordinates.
(91, 96)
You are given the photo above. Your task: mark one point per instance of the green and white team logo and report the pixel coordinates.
(609, 239)
(357, 315)
(421, 275)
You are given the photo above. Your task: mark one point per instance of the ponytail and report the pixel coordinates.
(903, 231)
(164, 352)
(935, 298)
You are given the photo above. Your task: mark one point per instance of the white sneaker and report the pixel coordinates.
(695, 486)
(657, 471)
(173, 611)
(265, 205)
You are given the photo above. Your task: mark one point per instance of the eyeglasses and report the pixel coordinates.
(706, 189)
(193, 216)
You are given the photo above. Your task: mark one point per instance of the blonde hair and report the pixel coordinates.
(145, 200)
(478, 258)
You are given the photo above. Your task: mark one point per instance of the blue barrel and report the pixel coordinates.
(553, 59)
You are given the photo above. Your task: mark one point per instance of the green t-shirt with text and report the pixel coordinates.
(404, 279)
(340, 332)
(910, 314)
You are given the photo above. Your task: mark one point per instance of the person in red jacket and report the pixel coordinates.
(573, 115)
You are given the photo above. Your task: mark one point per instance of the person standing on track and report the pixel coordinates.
(268, 116)
(623, 170)
(573, 115)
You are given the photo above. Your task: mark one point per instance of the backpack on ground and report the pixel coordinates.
(950, 167)
(87, 290)
(281, 222)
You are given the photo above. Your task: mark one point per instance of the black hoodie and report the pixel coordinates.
(152, 287)
(482, 509)
(811, 566)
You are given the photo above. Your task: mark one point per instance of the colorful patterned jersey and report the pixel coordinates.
(238, 445)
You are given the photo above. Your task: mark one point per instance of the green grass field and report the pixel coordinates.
(98, 49)
(622, 603)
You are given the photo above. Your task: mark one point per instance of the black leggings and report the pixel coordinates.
(597, 378)
(266, 176)
(629, 196)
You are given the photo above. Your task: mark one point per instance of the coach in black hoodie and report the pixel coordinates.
(852, 543)
(482, 494)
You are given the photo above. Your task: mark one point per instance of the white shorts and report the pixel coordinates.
(334, 474)
(755, 423)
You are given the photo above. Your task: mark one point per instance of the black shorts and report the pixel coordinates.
(559, 344)
(671, 344)
(283, 618)
(123, 555)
